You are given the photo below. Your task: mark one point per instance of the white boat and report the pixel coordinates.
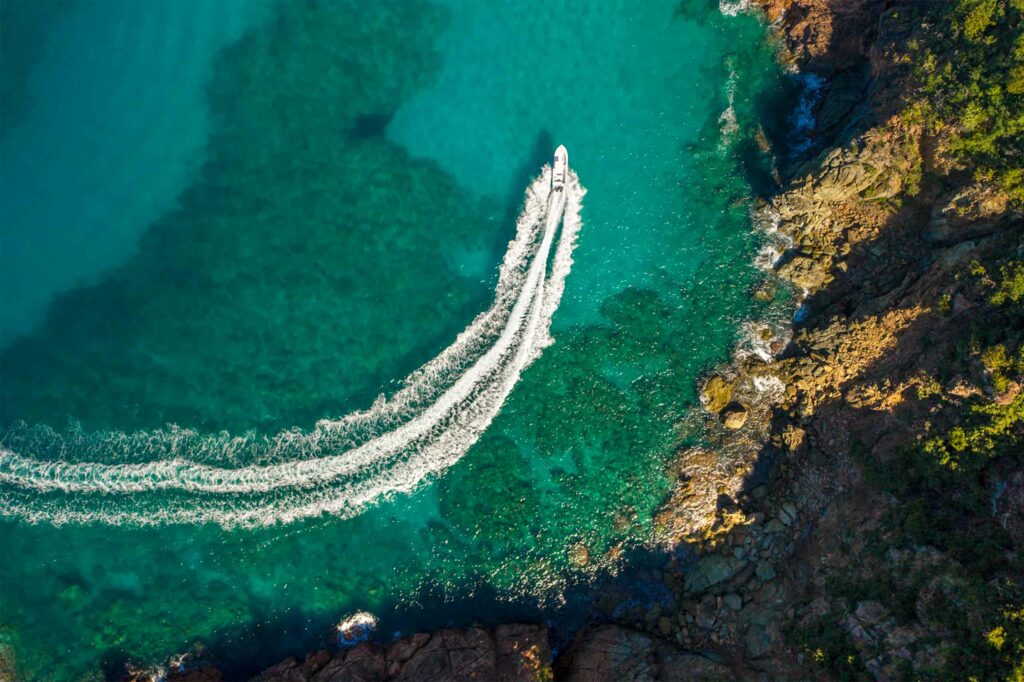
(561, 167)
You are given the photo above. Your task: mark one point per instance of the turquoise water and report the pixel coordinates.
(355, 185)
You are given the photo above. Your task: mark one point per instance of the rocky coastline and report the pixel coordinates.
(807, 566)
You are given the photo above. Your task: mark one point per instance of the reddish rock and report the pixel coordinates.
(510, 653)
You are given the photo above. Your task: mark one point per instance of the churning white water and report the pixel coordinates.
(176, 475)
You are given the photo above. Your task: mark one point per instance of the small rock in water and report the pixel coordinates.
(579, 555)
(765, 292)
(733, 601)
(356, 628)
(664, 626)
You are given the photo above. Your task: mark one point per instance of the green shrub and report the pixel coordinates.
(988, 430)
(970, 73)
(946, 305)
(1010, 286)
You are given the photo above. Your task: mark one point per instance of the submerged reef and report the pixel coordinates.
(265, 259)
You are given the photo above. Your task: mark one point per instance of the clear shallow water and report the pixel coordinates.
(364, 167)
(103, 120)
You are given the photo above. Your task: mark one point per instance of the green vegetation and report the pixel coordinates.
(943, 487)
(1001, 365)
(971, 76)
(829, 646)
(989, 430)
(1010, 287)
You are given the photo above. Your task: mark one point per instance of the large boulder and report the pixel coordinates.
(734, 416)
(711, 570)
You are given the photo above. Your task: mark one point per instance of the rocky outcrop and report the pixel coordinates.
(610, 652)
(509, 653)
(969, 212)
(826, 35)
(884, 230)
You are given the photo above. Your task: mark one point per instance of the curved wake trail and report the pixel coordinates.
(342, 465)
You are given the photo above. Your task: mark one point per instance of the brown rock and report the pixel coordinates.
(364, 663)
(511, 653)
(716, 394)
(734, 416)
(664, 626)
(522, 651)
(967, 213)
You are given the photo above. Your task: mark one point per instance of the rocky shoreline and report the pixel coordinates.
(800, 571)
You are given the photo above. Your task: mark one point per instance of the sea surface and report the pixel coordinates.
(287, 334)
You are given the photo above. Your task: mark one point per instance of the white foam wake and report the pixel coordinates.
(342, 465)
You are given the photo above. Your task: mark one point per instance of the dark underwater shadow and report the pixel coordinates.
(243, 651)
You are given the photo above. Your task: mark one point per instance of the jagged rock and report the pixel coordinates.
(511, 652)
(734, 416)
(805, 272)
(692, 509)
(610, 652)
